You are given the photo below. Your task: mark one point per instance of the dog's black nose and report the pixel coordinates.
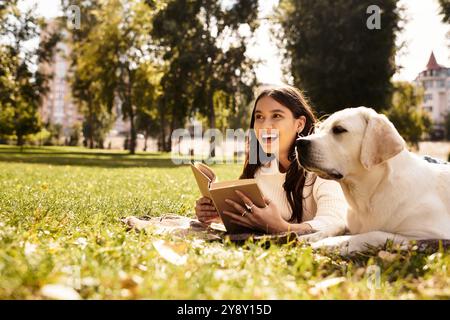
(303, 143)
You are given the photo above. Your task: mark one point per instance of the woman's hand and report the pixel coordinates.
(267, 219)
(205, 211)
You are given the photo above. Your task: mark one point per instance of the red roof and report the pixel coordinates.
(432, 63)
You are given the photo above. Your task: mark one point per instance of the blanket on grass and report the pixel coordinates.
(182, 226)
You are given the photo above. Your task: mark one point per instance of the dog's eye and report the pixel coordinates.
(338, 130)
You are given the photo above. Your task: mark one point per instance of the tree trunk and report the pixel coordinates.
(133, 134)
(169, 141)
(162, 144)
(173, 125)
(91, 126)
(167, 137)
(212, 124)
(145, 141)
(20, 140)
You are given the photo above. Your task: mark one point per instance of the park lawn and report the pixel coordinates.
(60, 211)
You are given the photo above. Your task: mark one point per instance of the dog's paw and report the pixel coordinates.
(341, 244)
(312, 237)
(323, 234)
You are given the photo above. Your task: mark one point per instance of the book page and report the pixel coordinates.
(203, 181)
(226, 184)
(207, 171)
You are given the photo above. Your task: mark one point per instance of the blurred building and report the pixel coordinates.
(57, 105)
(435, 81)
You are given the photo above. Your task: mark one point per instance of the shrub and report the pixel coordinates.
(411, 122)
(38, 138)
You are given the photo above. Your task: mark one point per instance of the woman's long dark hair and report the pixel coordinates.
(294, 100)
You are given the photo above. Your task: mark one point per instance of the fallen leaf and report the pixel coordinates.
(262, 256)
(59, 292)
(130, 283)
(169, 254)
(325, 284)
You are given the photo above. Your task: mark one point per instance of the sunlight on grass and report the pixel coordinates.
(61, 237)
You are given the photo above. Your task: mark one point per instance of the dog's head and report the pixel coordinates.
(349, 142)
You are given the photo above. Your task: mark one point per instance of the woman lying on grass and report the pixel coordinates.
(296, 200)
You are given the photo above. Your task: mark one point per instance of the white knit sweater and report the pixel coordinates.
(324, 204)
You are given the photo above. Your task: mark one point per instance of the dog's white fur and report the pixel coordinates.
(392, 193)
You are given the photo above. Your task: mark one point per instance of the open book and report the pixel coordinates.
(219, 191)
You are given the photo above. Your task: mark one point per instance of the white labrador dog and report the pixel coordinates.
(392, 193)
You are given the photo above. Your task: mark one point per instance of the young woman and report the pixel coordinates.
(295, 200)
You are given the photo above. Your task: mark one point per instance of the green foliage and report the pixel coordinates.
(55, 136)
(147, 94)
(75, 134)
(6, 119)
(85, 79)
(411, 122)
(206, 72)
(96, 125)
(112, 62)
(21, 85)
(162, 62)
(39, 138)
(334, 57)
(445, 10)
(447, 126)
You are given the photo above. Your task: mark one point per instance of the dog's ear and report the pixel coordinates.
(381, 141)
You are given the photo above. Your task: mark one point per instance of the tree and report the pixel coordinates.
(83, 78)
(334, 56)
(445, 10)
(411, 122)
(74, 139)
(110, 55)
(55, 131)
(96, 126)
(148, 91)
(205, 53)
(21, 83)
(447, 126)
(6, 88)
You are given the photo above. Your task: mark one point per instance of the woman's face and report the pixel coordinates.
(275, 126)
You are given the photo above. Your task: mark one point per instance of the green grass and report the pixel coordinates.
(60, 211)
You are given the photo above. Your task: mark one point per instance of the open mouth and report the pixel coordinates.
(268, 138)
